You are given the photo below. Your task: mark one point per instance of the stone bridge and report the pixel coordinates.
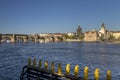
(48, 38)
(26, 38)
(14, 37)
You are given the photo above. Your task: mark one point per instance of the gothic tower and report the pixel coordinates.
(79, 30)
(103, 29)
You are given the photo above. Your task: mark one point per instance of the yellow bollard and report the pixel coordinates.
(59, 69)
(29, 61)
(76, 70)
(52, 67)
(68, 69)
(34, 62)
(96, 74)
(86, 69)
(108, 76)
(40, 64)
(46, 65)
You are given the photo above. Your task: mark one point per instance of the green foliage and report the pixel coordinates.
(81, 37)
(74, 37)
(66, 36)
(111, 37)
(119, 37)
(59, 38)
(101, 37)
(69, 37)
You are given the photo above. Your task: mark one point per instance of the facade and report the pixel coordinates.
(71, 34)
(91, 36)
(51, 35)
(58, 35)
(103, 29)
(43, 34)
(103, 32)
(107, 34)
(115, 34)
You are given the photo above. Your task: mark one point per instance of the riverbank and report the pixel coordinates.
(110, 42)
(114, 42)
(73, 40)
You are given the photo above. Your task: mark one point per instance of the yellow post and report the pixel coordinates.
(96, 74)
(76, 70)
(67, 69)
(108, 76)
(86, 69)
(34, 62)
(46, 65)
(52, 67)
(40, 64)
(29, 61)
(59, 69)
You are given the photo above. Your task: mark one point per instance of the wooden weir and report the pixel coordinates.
(33, 72)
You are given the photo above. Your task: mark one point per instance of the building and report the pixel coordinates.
(91, 36)
(58, 35)
(71, 34)
(103, 32)
(79, 31)
(43, 34)
(115, 34)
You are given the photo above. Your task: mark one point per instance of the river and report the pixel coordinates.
(94, 55)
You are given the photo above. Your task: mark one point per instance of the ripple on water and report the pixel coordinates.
(93, 55)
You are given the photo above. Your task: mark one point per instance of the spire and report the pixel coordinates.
(103, 26)
(79, 30)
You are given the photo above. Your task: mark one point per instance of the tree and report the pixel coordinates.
(101, 37)
(111, 37)
(119, 37)
(81, 37)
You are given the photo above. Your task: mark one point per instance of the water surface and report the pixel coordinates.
(95, 55)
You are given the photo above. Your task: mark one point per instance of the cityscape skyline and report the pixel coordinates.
(57, 16)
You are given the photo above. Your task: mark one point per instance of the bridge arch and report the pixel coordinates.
(21, 38)
(7, 37)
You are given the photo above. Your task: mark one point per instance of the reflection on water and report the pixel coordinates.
(95, 55)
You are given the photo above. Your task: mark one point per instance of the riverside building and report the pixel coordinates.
(91, 35)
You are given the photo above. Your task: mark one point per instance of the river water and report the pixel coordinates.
(94, 55)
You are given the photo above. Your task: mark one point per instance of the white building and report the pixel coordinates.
(43, 34)
(103, 32)
(71, 34)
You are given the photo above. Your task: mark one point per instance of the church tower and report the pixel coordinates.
(79, 30)
(104, 33)
(103, 29)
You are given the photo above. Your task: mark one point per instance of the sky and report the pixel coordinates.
(58, 16)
